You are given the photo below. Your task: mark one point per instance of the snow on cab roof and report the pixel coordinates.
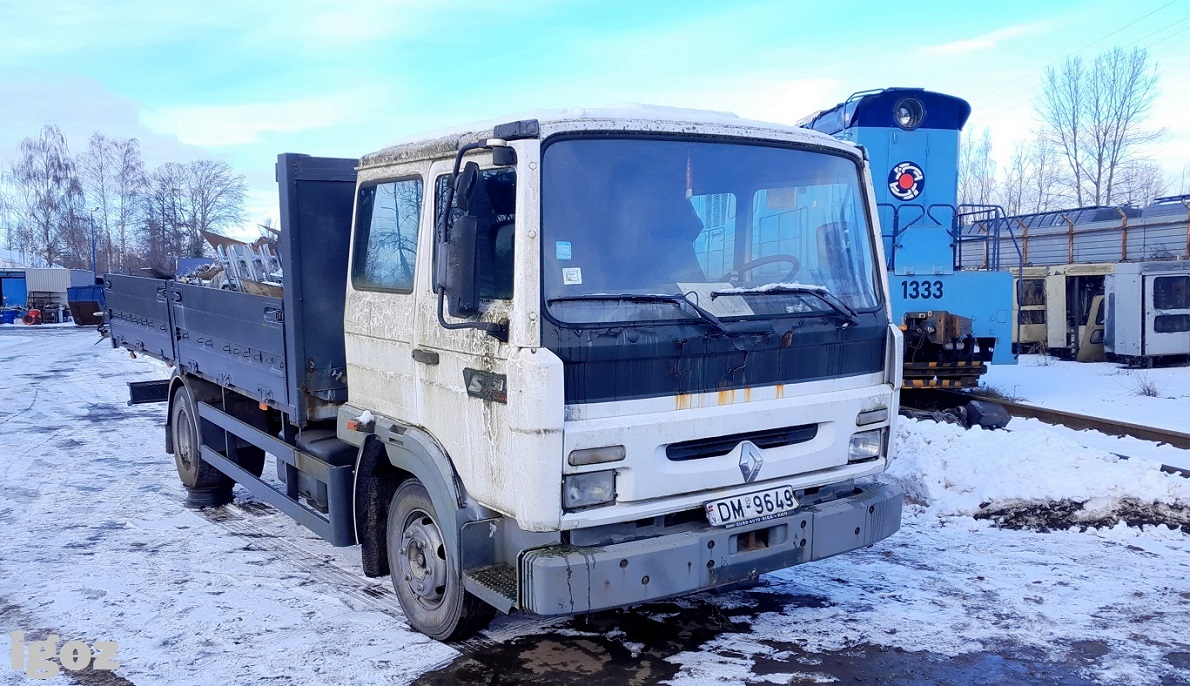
(623, 117)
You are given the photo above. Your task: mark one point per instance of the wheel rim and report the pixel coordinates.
(423, 559)
(184, 440)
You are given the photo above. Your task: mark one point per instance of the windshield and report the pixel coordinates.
(723, 224)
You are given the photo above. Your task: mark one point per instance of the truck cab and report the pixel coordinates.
(601, 324)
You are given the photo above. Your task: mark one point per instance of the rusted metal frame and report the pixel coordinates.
(1123, 235)
(1069, 238)
(1186, 204)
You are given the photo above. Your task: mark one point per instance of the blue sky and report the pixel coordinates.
(244, 80)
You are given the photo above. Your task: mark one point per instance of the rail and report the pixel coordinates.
(1082, 422)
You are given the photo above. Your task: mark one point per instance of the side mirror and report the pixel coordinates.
(465, 186)
(460, 284)
(458, 251)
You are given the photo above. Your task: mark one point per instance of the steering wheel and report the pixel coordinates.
(772, 259)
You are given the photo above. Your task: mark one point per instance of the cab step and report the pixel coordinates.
(494, 584)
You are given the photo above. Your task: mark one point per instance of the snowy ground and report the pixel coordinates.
(95, 545)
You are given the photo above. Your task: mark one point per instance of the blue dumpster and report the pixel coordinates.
(86, 304)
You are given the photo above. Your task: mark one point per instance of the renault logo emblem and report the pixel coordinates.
(750, 462)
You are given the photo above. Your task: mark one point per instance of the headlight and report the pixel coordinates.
(908, 113)
(865, 446)
(588, 490)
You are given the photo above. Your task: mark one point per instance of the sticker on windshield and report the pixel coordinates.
(562, 250)
(572, 276)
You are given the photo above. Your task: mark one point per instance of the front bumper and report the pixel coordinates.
(561, 580)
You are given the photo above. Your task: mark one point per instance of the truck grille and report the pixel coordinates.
(722, 445)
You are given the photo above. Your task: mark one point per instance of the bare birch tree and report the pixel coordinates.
(1138, 182)
(48, 192)
(182, 201)
(1044, 171)
(96, 169)
(1063, 114)
(164, 237)
(214, 200)
(130, 183)
(1095, 117)
(49, 203)
(977, 170)
(113, 178)
(1013, 190)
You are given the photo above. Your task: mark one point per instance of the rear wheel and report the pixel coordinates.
(424, 572)
(248, 456)
(251, 458)
(207, 486)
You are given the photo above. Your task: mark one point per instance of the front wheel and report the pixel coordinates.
(424, 573)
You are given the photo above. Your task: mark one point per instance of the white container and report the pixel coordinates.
(1148, 310)
(47, 280)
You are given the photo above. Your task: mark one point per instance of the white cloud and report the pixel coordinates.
(986, 41)
(764, 97)
(39, 30)
(217, 125)
(34, 30)
(1169, 113)
(80, 107)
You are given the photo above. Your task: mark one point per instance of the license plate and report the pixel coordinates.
(751, 507)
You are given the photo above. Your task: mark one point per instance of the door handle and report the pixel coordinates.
(425, 356)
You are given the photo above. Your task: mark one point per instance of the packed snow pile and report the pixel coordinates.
(1033, 479)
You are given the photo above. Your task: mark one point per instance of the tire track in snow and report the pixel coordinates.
(377, 595)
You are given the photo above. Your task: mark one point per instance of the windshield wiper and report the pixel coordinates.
(727, 328)
(832, 301)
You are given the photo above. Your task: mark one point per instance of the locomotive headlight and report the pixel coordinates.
(865, 445)
(908, 113)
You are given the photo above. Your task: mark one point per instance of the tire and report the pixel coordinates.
(196, 474)
(423, 570)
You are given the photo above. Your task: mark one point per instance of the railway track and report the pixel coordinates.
(932, 398)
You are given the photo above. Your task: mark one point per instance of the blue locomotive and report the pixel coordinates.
(948, 286)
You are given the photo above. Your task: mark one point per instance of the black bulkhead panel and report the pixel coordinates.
(656, 360)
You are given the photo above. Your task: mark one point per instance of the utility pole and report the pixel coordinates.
(94, 263)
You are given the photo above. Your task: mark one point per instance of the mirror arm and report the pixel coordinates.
(454, 175)
(497, 331)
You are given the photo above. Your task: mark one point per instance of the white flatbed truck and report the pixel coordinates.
(555, 365)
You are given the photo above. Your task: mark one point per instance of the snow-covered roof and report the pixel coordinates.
(631, 117)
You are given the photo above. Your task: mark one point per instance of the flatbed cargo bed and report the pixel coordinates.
(285, 352)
